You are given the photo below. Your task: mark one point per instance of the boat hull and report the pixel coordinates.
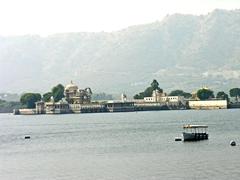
(194, 136)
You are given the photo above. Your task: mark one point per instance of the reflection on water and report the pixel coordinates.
(119, 146)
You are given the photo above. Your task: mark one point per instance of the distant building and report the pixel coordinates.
(74, 95)
(162, 97)
(123, 97)
(60, 107)
(40, 107)
(74, 100)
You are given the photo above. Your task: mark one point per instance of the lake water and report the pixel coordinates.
(113, 146)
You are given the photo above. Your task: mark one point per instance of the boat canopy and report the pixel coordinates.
(195, 126)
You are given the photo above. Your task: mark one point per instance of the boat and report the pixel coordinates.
(195, 132)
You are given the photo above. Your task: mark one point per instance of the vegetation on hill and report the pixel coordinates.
(222, 95)
(29, 99)
(204, 94)
(149, 90)
(8, 107)
(182, 50)
(57, 93)
(47, 96)
(180, 93)
(235, 92)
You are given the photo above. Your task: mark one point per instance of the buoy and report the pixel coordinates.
(178, 139)
(27, 137)
(232, 143)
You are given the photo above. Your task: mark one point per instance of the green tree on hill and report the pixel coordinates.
(47, 96)
(155, 86)
(204, 94)
(29, 99)
(222, 95)
(235, 92)
(180, 93)
(148, 91)
(58, 92)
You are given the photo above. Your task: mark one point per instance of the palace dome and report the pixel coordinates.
(71, 86)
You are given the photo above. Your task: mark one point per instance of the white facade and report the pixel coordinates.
(174, 99)
(208, 104)
(149, 99)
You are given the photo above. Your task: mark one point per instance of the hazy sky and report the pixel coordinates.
(45, 17)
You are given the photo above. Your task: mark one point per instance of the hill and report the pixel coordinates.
(181, 52)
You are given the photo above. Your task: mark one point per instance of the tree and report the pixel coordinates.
(139, 96)
(204, 94)
(149, 90)
(47, 96)
(29, 99)
(58, 92)
(235, 92)
(222, 95)
(180, 93)
(155, 86)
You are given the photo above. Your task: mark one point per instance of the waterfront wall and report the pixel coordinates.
(24, 111)
(149, 106)
(208, 104)
(87, 108)
(234, 105)
(111, 106)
